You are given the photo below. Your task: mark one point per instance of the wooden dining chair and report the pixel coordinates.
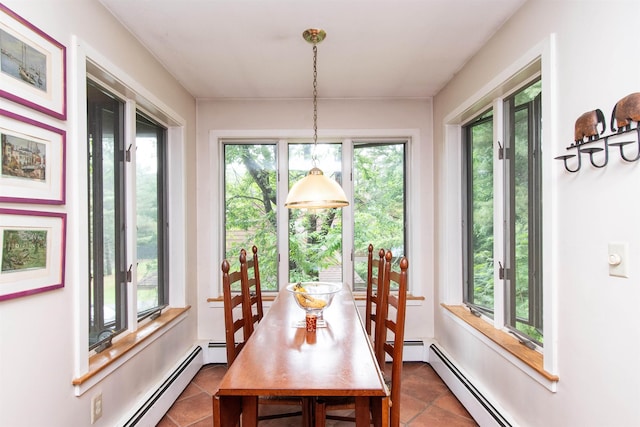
(245, 317)
(374, 266)
(389, 341)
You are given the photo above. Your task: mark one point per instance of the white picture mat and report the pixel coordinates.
(22, 281)
(52, 187)
(53, 100)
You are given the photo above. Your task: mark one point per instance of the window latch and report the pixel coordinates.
(500, 151)
(127, 154)
(155, 314)
(129, 274)
(524, 341)
(500, 271)
(474, 311)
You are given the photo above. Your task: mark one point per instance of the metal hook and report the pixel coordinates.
(593, 150)
(566, 166)
(621, 145)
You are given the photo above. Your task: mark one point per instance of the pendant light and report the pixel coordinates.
(315, 191)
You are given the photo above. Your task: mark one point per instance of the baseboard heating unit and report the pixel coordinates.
(216, 353)
(477, 404)
(413, 351)
(157, 402)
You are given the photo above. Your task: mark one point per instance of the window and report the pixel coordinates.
(127, 216)
(517, 164)
(151, 239)
(250, 206)
(379, 187)
(479, 190)
(315, 237)
(313, 242)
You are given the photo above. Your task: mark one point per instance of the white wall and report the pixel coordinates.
(275, 118)
(40, 350)
(594, 315)
(597, 339)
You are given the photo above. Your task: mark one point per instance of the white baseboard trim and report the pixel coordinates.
(479, 404)
(155, 404)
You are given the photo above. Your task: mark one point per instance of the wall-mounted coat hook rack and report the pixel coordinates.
(625, 112)
(613, 140)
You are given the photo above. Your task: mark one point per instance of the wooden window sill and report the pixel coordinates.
(509, 343)
(101, 364)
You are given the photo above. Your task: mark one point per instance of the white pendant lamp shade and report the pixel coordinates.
(316, 191)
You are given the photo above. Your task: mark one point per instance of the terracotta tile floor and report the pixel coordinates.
(426, 401)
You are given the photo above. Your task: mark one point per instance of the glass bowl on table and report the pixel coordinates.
(313, 298)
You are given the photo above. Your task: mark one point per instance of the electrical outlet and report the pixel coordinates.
(96, 408)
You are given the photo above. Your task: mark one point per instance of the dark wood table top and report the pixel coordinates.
(280, 359)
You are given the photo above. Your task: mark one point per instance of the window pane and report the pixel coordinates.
(378, 203)
(109, 250)
(525, 286)
(521, 214)
(250, 207)
(480, 264)
(149, 232)
(315, 237)
(107, 310)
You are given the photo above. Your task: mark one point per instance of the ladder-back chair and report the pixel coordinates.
(246, 317)
(388, 341)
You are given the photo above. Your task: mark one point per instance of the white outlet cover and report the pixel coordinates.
(96, 408)
(618, 259)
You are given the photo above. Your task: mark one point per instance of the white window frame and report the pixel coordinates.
(540, 60)
(88, 63)
(345, 136)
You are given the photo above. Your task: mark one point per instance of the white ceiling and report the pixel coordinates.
(254, 48)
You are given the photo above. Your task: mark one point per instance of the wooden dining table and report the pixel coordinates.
(283, 359)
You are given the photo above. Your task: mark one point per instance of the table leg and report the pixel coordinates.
(249, 411)
(386, 408)
(363, 417)
(380, 411)
(376, 411)
(226, 411)
(308, 411)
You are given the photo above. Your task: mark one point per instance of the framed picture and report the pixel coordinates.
(33, 161)
(32, 66)
(32, 252)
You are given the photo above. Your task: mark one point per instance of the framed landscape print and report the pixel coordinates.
(32, 161)
(32, 66)
(32, 252)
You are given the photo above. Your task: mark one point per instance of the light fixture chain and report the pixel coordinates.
(315, 103)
